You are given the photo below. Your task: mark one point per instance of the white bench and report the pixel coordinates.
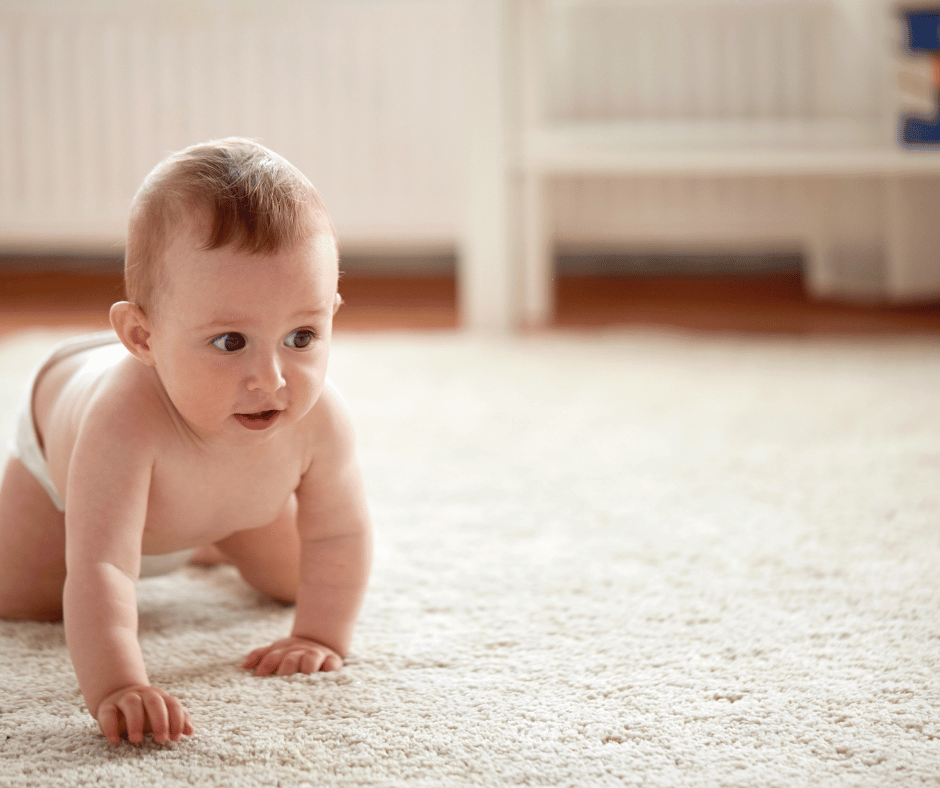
(816, 105)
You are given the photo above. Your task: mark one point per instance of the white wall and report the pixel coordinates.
(363, 96)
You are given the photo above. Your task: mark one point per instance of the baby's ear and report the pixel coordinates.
(337, 303)
(133, 329)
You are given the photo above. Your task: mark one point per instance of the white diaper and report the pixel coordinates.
(24, 444)
(153, 565)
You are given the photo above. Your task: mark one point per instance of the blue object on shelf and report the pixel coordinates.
(923, 30)
(918, 131)
(923, 35)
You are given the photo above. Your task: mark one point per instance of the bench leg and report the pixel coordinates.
(913, 238)
(538, 265)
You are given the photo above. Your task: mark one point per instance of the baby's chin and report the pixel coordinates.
(239, 430)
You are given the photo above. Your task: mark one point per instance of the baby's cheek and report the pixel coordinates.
(207, 396)
(312, 390)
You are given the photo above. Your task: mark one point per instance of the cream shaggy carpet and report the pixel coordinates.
(631, 558)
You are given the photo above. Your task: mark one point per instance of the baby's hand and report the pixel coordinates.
(292, 655)
(136, 710)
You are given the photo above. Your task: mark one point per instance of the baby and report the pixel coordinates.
(206, 423)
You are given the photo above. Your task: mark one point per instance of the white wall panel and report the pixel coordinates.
(364, 97)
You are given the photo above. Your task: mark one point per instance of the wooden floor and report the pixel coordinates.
(757, 304)
(762, 304)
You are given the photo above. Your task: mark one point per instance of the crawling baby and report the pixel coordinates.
(204, 422)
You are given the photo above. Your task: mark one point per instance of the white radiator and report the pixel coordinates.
(362, 96)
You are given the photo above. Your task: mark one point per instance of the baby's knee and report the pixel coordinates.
(278, 587)
(30, 610)
(287, 596)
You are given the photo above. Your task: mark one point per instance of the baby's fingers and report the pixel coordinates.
(331, 662)
(136, 711)
(305, 660)
(292, 655)
(315, 661)
(310, 663)
(180, 723)
(109, 723)
(270, 662)
(155, 706)
(291, 661)
(254, 657)
(283, 661)
(132, 707)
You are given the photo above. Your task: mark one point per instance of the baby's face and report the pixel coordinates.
(241, 341)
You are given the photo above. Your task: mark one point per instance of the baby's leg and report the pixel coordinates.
(32, 549)
(269, 557)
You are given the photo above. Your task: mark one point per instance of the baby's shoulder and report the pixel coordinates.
(98, 407)
(328, 426)
(127, 403)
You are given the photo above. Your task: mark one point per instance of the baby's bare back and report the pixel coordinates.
(198, 494)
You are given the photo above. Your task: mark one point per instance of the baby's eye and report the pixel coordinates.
(300, 338)
(229, 342)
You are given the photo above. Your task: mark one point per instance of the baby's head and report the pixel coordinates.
(231, 276)
(225, 193)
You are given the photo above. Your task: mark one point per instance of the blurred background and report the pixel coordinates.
(498, 164)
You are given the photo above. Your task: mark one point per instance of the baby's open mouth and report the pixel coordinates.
(258, 421)
(263, 415)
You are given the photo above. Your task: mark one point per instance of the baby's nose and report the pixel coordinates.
(266, 373)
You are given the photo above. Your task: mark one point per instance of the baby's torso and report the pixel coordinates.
(194, 498)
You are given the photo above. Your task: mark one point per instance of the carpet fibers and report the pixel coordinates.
(628, 558)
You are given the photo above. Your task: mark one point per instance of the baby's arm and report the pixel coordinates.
(336, 550)
(106, 500)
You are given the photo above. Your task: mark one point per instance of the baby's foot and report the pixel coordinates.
(210, 555)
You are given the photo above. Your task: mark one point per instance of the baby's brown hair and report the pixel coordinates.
(252, 199)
